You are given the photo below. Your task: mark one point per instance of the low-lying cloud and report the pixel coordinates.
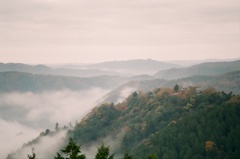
(125, 92)
(47, 146)
(24, 115)
(13, 135)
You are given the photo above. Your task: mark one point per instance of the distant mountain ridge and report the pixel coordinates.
(228, 82)
(209, 68)
(148, 66)
(23, 82)
(19, 67)
(129, 68)
(121, 68)
(188, 63)
(43, 69)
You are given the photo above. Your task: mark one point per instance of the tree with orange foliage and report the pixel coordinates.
(209, 145)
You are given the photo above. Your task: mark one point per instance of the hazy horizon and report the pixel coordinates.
(173, 61)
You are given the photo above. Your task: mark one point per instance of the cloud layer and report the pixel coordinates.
(24, 115)
(13, 135)
(77, 30)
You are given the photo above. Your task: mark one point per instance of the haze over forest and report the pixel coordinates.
(36, 97)
(150, 79)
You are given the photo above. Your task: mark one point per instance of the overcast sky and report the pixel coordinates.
(83, 31)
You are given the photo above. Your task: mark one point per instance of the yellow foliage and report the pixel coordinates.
(163, 91)
(192, 90)
(125, 129)
(209, 90)
(143, 126)
(235, 100)
(189, 105)
(150, 102)
(142, 94)
(173, 122)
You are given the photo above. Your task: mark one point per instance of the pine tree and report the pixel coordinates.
(127, 156)
(104, 153)
(33, 156)
(71, 151)
(176, 88)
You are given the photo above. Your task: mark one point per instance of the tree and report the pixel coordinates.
(135, 94)
(176, 88)
(33, 156)
(152, 156)
(127, 156)
(57, 127)
(71, 151)
(104, 153)
(209, 145)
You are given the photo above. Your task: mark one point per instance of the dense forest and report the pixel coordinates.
(166, 123)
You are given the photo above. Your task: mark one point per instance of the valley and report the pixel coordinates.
(124, 112)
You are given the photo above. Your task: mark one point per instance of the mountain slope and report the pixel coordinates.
(38, 69)
(23, 82)
(209, 68)
(228, 82)
(176, 125)
(134, 66)
(207, 131)
(149, 122)
(42, 69)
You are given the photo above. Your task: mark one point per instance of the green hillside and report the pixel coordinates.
(209, 68)
(43, 69)
(228, 82)
(40, 69)
(139, 66)
(169, 124)
(22, 82)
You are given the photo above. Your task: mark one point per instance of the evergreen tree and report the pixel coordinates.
(71, 151)
(176, 88)
(33, 156)
(127, 156)
(104, 153)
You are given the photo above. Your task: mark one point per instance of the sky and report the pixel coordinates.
(89, 31)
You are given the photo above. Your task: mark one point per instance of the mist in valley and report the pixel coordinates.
(24, 115)
(60, 61)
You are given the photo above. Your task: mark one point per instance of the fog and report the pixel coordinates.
(47, 146)
(13, 135)
(125, 92)
(24, 115)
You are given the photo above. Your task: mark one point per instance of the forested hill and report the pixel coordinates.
(228, 82)
(40, 69)
(170, 123)
(43, 69)
(148, 66)
(209, 68)
(23, 82)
